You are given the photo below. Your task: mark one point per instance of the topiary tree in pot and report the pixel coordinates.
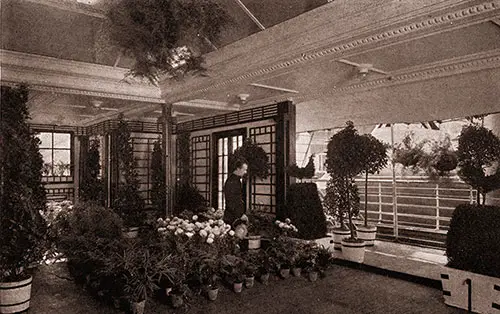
(127, 202)
(22, 199)
(479, 159)
(472, 245)
(344, 161)
(303, 205)
(374, 156)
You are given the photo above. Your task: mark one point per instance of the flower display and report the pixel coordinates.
(286, 226)
(205, 231)
(53, 209)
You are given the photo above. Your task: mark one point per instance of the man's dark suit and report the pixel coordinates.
(233, 193)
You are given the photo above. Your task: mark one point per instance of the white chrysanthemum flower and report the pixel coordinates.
(195, 217)
(231, 232)
(281, 225)
(211, 235)
(203, 233)
(210, 240)
(189, 234)
(288, 220)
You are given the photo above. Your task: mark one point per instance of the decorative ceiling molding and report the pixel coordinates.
(74, 77)
(71, 6)
(444, 21)
(456, 66)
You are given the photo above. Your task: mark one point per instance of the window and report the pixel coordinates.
(56, 152)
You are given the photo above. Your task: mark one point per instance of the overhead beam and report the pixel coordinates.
(207, 105)
(281, 89)
(250, 14)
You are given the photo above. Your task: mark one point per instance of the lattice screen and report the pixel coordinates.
(200, 164)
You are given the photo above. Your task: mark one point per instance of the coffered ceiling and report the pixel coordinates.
(366, 61)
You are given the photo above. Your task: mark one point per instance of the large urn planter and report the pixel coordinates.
(254, 242)
(353, 250)
(471, 291)
(130, 233)
(15, 296)
(367, 234)
(338, 235)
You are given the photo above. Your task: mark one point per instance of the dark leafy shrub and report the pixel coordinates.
(473, 242)
(256, 156)
(22, 194)
(92, 186)
(304, 209)
(300, 173)
(188, 197)
(158, 192)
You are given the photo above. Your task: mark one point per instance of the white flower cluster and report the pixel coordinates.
(54, 208)
(178, 56)
(286, 226)
(207, 231)
(211, 213)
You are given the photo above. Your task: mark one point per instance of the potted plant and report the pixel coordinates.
(234, 269)
(166, 38)
(127, 202)
(472, 276)
(440, 161)
(344, 160)
(308, 261)
(303, 205)
(22, 198)
(374, 156)
(209, 268)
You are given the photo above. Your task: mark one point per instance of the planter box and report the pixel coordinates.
(353, 251)
(367, 234)
(471, 291)
(338, 235)
(15, 296)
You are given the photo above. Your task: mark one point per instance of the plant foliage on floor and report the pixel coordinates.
(128, 202)
(158, 188)
(256, 156)
(91, 185)
(166, 37)
(472, 241)
(479, 159)
(22, 194)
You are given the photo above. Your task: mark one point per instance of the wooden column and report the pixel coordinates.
(285, 148)
(167, 157)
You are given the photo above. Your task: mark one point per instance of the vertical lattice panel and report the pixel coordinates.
(143, 147)
(200, 164)
(263, 193)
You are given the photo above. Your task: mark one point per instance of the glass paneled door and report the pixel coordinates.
(226, 143)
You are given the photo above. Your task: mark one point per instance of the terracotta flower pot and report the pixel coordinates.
(254, 242)
(313, 276)
(237, 287)
(249, 281)
(285, 272)
(212, 293)
(264, 278)
(297, 271)
(138, 307)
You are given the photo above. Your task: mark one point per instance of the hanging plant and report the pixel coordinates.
(409, 153)
(158, 191)
(256, 156)
(300, 173)
(166, 37)
(441, 160)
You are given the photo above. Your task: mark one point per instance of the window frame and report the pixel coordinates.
(56, 178)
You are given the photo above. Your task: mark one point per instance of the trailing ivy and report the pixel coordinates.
(92, 186)
(158, 191)
(127, 203)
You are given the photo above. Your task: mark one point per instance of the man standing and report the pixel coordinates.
(233, 193)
